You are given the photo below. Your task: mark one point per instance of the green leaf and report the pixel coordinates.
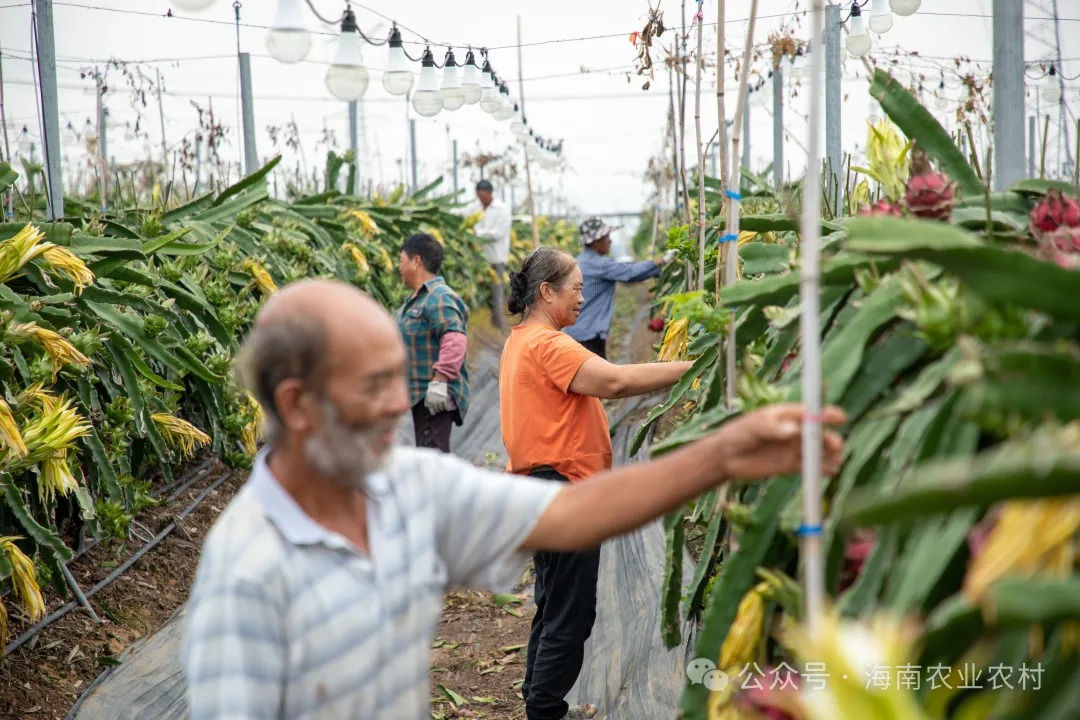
(5, 564)
(915, 395)
(58, 233)
(1030, 379)
(764, 258)
(152, 246)
(1002, 276)
(737, 576)
(131, 384)
(179, 359)
(1031, 468)
(705, 562)
(772, 223)
(843, 352)
(671, 591)
(780, 289)
(676, 394)
(116, 247)
(860, 596)
(974, 218)
(1040, 186)
(101, 469)
(43, 536)
(253, 180)
(454, 697)
(8, 176)
(177, 248)
(916, 122)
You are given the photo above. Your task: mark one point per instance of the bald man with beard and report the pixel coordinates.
(319, 588)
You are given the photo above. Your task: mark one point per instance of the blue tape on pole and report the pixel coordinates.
(727, 238)
(809, 530)
(733, 195)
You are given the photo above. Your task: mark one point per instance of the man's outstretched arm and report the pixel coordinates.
(758, 445)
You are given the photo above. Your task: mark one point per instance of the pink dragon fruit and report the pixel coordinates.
(929, 194)
(880, 208)
(1055, 210)
(1065, 239)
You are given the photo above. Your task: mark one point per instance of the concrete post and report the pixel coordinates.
(46, 47)
(247, 103)
(1008, 92)
(833, 93)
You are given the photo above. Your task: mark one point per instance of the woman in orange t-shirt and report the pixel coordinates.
(555, 427)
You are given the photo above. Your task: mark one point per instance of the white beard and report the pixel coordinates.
(347, 455)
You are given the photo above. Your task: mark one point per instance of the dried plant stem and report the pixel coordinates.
(974, 154)
(1042, 161)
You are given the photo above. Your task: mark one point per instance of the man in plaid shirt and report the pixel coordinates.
(433, 325)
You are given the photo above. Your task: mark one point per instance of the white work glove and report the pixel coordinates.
(438, 397)
(669, 256)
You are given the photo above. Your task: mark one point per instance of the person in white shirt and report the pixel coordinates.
(494, 227)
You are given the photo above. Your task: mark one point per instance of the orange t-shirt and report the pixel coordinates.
(543, 423)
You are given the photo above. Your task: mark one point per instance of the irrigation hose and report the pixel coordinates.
(189, 478)
(65, 609)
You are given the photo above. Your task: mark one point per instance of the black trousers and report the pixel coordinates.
(432, 431)
(597, 345)
(565, 613)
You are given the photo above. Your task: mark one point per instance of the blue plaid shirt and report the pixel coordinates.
(600, 273)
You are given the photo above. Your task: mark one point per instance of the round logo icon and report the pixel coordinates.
(698, 668)
(716, 680)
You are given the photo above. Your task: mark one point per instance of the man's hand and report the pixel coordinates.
(668, 257)
(768, 442)
(437, 399)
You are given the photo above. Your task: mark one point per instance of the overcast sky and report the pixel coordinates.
(610, 127)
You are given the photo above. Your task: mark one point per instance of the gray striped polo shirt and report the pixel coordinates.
(288, 620)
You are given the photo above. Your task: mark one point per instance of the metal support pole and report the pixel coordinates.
(50, 108)
(1031, 146)
(455, 168)
(247, 103)
(778, 126)
(1008, 92)
(102, 132)
(412, 146)
(78, 593)
(354, 145)
(745, 138)
(833, 96)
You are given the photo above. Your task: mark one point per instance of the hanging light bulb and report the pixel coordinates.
(506, 108)
(1051, 91)
(858, 40)
(903, 8)
(881, 20)
(288, 39)
(873, 114)
(70, 136)
(941, 101)
(489, 97)
(192, 5)
(426, 101)
(24, 141)
(801, 68)
(453, 95)
(347, 78)
(517, 124)
(129, 134)
(89, 131)
(397, 79)
(471, 80)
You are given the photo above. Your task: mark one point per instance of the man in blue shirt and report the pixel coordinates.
(600, 274)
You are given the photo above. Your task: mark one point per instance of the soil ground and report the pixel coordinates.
(477, 658)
